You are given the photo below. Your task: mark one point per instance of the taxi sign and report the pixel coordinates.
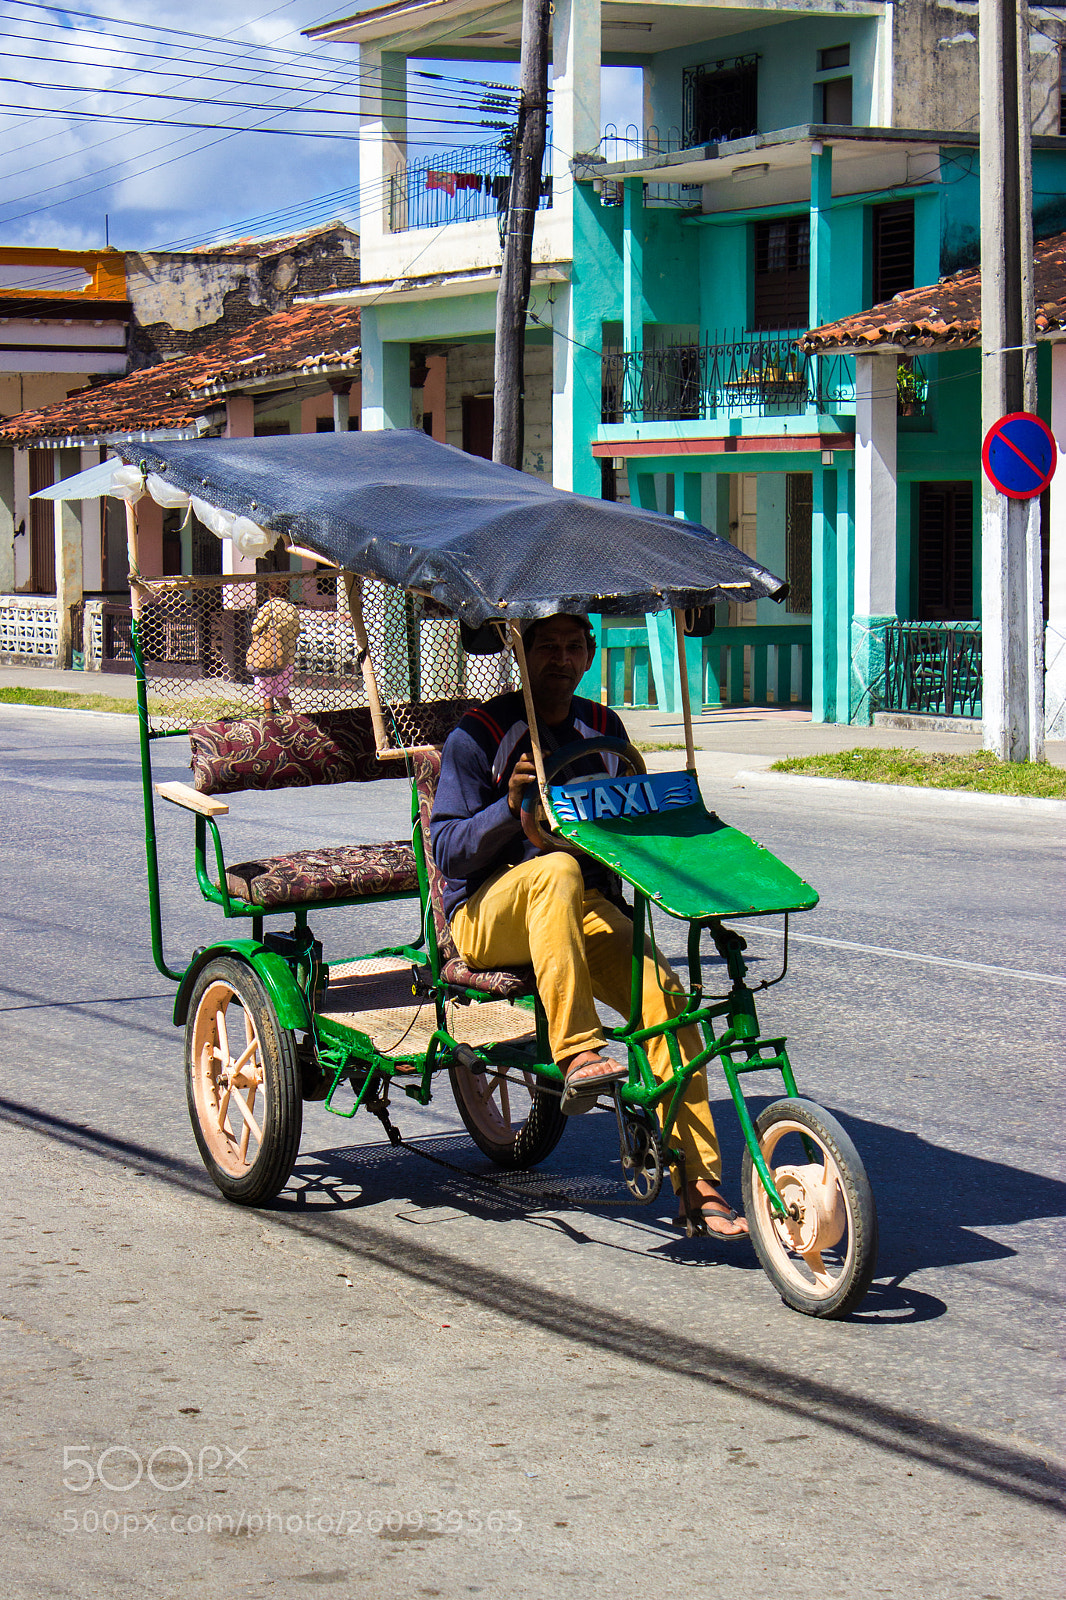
(600, 799)
(1020, 455)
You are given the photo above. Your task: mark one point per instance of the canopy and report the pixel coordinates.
(482, 540)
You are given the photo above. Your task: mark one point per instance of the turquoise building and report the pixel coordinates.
(795, 164)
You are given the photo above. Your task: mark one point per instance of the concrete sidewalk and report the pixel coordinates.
(735, 738)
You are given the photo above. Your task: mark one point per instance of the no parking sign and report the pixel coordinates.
(1020, 455)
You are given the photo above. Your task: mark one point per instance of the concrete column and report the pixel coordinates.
(341, 404)
(386, 379)
(8, 520)
(875, 529)
(821, 231)
(575, 84)
(633, 266)
(1055, 632)
(576, 375)
(845, 569)
(823, 595)
(69, 567)
(240, 417)
(382, 149)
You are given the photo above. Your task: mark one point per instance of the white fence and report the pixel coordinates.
(29, 630)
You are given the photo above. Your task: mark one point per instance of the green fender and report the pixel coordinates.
(273, 972)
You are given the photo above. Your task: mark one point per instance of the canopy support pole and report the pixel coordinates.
(531, 713)
(686, 704)
(353, 590)
(133, 556)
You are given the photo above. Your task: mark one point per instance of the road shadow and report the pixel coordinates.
(1010, 1468)
(934, 1203)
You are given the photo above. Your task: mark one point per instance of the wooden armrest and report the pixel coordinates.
(183, 794)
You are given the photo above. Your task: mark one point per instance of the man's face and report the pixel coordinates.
(558, 656)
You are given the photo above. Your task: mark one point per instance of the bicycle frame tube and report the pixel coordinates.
(741, 1034)
(155, 910)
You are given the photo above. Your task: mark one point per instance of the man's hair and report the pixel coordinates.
(530, 627)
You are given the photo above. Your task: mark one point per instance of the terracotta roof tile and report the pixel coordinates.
(946, 314)
(302, 339)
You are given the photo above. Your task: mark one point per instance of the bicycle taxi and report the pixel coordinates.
(407, 569)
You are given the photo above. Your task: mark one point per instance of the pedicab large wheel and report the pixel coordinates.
(242, 1079)
(822, 1257)
(509, 1119)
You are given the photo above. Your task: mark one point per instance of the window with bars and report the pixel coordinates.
(945, 552)
(893, 250)
(799, 514)
(782, 274)
(720, 101)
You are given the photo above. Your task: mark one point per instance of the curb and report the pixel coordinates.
(912, 791)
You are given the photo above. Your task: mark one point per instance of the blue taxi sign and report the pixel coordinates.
(1020, 455)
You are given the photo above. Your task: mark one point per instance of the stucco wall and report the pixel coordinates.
(937, 81)
(470, 372)
(184, 302)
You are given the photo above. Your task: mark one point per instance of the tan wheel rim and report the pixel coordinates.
(813, 1249)
(229, 1086)
(499, 1106)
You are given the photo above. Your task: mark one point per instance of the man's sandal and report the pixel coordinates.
(700, 1218)
(583, 1083)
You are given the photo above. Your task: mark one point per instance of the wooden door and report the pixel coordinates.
(42, 525)
(743, 489)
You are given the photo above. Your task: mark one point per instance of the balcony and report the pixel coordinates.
(464, 185)
(752, 374)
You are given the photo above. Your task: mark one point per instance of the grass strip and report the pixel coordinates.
(978, 771)
(67, 700)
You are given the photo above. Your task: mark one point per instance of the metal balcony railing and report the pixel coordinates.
(633, 144)
(455, 186)
(754, 374)
(933, 668)
(751, 373)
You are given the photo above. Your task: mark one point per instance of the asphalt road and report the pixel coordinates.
(407, 1380)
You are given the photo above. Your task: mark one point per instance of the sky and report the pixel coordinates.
(66, 165)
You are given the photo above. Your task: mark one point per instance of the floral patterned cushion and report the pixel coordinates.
(504, 982)
(292, 750)
(336, 872)
(286, 751)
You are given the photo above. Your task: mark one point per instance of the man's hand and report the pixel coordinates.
(524, 773)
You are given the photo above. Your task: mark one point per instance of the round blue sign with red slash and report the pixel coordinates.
(1020, 455)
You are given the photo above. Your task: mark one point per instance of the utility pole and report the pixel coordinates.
(524, 197)
(1011, 600)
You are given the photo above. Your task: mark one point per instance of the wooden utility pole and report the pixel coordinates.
(1011, 601)
(524, 197)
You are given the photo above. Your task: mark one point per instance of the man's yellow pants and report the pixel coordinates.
(580, 946)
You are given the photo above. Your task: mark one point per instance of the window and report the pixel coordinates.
(799, 508)
(835, 108)
(945, 552)
(324, 425)
(270, 430)
(781, 284)
(720, 101)
(831, 60)
(893, 250)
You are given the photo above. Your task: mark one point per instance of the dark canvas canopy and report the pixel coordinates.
(481, 539)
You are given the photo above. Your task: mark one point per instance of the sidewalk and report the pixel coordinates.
(734, 739)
